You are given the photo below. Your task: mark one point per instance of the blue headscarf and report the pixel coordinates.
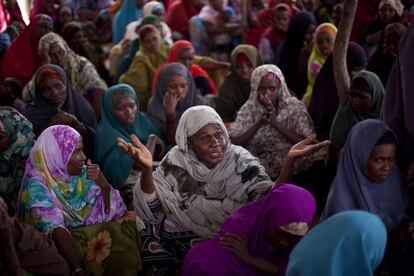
(126, 14)
(4, 43)
(352, 189)
(115, 164)
(349, 243)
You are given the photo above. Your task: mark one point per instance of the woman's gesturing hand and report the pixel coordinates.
(307, 147)
(138, 152)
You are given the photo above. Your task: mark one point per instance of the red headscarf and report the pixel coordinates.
(274, 36)
(195, 70)
(21, 59)
(179, 14)
(37, 5)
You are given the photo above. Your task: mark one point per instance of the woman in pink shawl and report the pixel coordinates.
(257, 238)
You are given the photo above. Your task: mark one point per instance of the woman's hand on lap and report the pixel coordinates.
(236, 244)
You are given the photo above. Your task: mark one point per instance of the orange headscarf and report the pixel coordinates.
(195, 70)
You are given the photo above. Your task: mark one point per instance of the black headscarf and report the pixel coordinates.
(291, 48)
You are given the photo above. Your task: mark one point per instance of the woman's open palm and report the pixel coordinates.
(306, 147)
(138, 152)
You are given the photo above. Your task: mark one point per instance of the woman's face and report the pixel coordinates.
(65, 15)
(125, 110)
(45, 6)
(152, 42)
(54, 92)
(325, 43)
(178, 85)
(186, 57)
(77, 160)
(269, 87)
(244, 70)
(44, 25)
(309, 34)
(209, 145)
(380, 162)
(360, 101)
(58, 56)
(391, 43)
(77, 39)
(282, 20)
(4, 138)
(280, 239)
(386, 13)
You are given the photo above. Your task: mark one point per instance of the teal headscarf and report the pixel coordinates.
(21, 141)
(348, 243)
(115, 164)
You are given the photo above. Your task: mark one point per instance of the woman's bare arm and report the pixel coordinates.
(342, 79)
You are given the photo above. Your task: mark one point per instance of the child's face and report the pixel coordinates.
(325, 43)
(282, 20)
(386, 13)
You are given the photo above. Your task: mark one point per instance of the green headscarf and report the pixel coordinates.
(115, 164)
(346, 118)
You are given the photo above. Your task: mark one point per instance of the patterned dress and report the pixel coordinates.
(269, 145)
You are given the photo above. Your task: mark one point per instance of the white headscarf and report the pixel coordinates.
(237, 179)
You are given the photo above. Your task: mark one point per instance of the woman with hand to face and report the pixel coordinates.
(175, 92)
(62, 191)
(271, 121)
(57, 103)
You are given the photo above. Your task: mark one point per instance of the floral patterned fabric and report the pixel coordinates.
(111, 248)
(270, 146)
(21, 140)
(51, 198)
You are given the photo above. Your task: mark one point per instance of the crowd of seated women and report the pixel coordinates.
(178, 137)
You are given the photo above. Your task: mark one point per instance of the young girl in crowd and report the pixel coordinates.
(324, 43)
(273, 36)
(235, 89)
(152, 53)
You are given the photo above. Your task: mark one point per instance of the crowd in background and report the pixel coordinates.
(206, 137)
